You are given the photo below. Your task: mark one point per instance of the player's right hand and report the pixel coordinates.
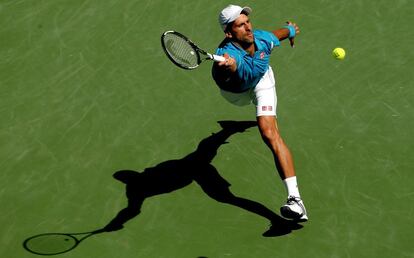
(229, 64)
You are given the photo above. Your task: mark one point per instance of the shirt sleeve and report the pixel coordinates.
(231, 52)
(271, 40)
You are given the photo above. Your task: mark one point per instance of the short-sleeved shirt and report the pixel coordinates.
(250, 69)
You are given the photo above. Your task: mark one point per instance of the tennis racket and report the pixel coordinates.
(55, 243)
(183, 52)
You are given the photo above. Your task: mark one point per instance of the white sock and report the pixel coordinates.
(292, 186)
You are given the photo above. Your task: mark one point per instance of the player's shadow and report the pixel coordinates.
(172, 175)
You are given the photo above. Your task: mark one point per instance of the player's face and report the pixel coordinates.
(241, 30)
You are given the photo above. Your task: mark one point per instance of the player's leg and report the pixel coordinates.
(266, 103)
(294, 207)
(270, 134)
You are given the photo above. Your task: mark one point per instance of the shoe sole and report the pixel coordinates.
(304, 218)
(289, 214)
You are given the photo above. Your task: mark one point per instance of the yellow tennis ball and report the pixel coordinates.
(338, 53)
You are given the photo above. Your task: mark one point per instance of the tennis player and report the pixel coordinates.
(246, 77)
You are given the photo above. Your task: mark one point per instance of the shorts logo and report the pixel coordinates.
(262, 55)
(267, 108)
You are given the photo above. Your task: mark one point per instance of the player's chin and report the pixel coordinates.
(249, 39)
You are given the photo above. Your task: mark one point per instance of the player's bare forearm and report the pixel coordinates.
(283, 33)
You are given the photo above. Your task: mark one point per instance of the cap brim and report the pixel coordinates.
(246, 10)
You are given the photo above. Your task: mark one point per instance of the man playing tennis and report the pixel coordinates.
(245, 76)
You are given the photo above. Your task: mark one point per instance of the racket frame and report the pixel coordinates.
(198, 51)
(71, 235)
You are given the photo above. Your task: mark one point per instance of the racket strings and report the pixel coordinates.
(180, 50)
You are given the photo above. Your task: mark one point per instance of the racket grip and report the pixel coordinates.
(218, 58)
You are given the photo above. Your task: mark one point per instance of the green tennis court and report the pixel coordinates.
(86, 91)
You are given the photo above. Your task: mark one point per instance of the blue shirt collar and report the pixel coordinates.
(257, 42)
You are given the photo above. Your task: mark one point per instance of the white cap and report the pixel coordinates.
(231, 13)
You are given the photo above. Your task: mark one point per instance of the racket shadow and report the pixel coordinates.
(56, 243)
(196, 167)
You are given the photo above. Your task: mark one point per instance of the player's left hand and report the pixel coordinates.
(295, 26)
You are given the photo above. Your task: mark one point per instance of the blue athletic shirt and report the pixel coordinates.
(250, 69)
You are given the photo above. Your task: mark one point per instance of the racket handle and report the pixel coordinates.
(218, 58)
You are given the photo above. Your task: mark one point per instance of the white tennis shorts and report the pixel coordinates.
(263, 96)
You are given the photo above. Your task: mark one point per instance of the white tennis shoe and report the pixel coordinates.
(294, 209)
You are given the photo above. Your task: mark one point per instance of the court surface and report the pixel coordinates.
(87, 91)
